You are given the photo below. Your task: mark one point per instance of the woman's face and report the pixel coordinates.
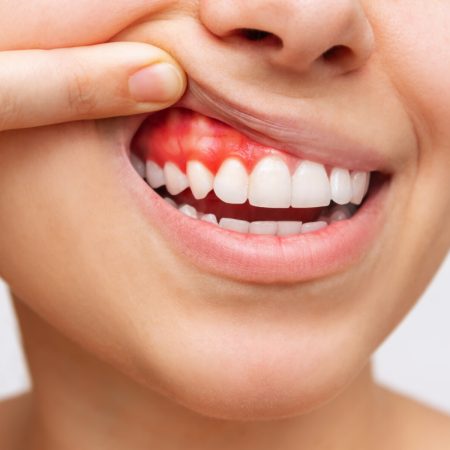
(228, 325)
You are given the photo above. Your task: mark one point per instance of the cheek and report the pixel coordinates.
(423, 79)
(413, 42)
(65, 23)
(415, 39)
(74, 266)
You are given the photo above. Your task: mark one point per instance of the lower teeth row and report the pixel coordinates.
(269, 228)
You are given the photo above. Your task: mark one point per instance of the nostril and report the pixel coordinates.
(255, 35)
(252, 34)
(337, 53)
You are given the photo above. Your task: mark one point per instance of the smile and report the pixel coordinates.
(249, 211)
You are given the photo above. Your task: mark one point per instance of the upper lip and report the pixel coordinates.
(295, 134)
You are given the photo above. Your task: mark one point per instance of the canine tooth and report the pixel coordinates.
(189, 211)
(341, 186)
(313, 226)
(262, 227)
(200, 178)
(310, 186)
(231, 182)
(289, 228)
(240, 226)
(154, 175)
(270, 184)
(170, 202)
(138, 164)
(360, 184)
(211, 218)
(176, 180)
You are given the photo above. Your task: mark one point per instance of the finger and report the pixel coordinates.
(42, 87)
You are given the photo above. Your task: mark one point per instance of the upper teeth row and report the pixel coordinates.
(269, 185)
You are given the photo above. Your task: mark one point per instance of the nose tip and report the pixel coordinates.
(326, 36)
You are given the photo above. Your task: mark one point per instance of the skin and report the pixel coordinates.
(129, 345)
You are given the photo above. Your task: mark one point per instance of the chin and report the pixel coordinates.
(244, 370)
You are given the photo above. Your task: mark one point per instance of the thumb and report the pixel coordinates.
(43, 87)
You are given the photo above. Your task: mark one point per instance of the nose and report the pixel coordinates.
(309, 36)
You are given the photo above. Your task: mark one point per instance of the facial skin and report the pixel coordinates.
(77, 250)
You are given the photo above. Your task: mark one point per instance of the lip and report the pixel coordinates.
(265, 259)
(300, 133)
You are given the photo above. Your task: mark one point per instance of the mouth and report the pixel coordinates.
(245, 210)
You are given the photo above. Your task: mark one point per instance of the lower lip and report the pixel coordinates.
(265, 259)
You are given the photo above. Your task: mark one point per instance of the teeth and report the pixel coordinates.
(263, 228)
(171, 202)
(154, 175)
(310, 186)
(271, 228)
(176, 180)
(270, 184)
(138, 164)
(189, 211)
(360, 185)
(201, 180)
(313, 226)
(268, 228)
(289, 228)
(211, 218)
(231, 182)
(240, 226)
(340, 213)
(341, 186)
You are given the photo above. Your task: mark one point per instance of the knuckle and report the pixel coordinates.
(81, 96)
(9, 109)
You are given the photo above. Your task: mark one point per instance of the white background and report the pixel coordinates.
(414, 360)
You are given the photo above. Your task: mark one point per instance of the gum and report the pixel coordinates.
(179, 135)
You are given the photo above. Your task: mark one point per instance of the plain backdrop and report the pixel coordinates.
(414, 360)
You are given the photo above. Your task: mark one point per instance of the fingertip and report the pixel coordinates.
(161, 82)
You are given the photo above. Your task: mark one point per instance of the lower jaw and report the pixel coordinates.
(268, 259)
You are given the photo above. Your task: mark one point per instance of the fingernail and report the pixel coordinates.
(158, 83)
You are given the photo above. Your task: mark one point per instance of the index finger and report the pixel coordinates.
(43, 87)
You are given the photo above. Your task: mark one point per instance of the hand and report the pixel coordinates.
(43, 87)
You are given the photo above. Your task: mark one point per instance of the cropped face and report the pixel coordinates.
(306, 186)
